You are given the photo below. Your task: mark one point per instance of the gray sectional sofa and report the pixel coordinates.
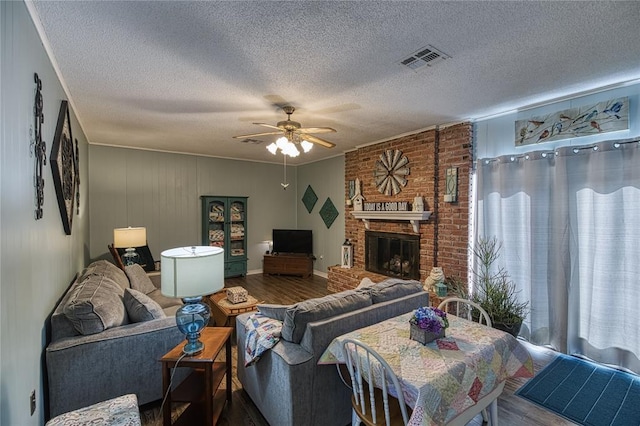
(107, 335)
(286, 383)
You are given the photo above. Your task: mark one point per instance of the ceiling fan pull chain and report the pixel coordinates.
(285, 184)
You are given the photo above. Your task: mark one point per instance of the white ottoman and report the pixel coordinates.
(120, 411)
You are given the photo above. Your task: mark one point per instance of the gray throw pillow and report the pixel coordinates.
(393, 288)
(139, 279)
(95, 305)
(141, 307)
(365, 283)
(104, 268)
(297, 317)
(276, 312)
(164, 301)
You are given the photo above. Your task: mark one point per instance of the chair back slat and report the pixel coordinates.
(464, 308)
(366, 365)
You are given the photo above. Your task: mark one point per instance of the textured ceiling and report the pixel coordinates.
(187, 76)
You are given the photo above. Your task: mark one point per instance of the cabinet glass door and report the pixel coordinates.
(237, 212)
(216, 223)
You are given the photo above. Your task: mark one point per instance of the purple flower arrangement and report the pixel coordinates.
(430, 319)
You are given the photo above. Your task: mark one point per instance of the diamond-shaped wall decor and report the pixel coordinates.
(309, 198)
(328, 213)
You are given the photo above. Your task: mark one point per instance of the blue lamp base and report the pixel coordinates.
(191, 318)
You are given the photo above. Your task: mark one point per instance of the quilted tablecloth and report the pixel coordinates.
(443, 378)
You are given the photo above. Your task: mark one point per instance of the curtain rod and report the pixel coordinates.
(555, 152)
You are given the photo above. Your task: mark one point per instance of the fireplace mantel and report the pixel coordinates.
(413, 217)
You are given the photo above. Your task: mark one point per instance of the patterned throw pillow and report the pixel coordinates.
(262, 334)
(121, 411)
(141, 307)
(139, 279)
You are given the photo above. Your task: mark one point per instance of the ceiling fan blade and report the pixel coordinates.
(257, 134)
(268, 125)
(316, 130)
(318, 141)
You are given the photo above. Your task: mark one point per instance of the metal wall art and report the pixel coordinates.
(391, 171)
(603, 117)
(63, 167)
(39, 148)
(309, 198)
(328, 213)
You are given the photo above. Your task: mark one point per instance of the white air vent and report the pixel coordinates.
(428, 55)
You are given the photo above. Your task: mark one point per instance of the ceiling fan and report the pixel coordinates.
(294, 133)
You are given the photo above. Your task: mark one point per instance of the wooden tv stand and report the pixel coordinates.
(288, 264)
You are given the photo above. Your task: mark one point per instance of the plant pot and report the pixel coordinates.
(423, 336)
(512, 329)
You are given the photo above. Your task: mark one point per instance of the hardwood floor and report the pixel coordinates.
(513, 410)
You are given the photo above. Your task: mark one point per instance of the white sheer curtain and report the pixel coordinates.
(568, 220)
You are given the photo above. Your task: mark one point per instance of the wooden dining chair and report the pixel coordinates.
(373, 405)
(464, 308)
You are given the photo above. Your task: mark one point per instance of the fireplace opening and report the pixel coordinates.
(393, 255)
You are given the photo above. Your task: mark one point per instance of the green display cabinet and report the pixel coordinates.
(224, 224)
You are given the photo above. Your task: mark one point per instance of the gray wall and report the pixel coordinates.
(161, 191)
(37, 260)
(327, 180)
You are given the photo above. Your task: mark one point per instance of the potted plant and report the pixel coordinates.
(456, 287)
(494, 290)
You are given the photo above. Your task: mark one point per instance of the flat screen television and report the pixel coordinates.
(292, 241)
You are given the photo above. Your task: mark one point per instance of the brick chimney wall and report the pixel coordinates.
(449, 221)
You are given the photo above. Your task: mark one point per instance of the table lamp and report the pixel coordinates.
(190, 273)
(128, 239)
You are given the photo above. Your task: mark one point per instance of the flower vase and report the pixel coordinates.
(423, 336)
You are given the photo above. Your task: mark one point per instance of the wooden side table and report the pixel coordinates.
(224, 313)
(201, 387)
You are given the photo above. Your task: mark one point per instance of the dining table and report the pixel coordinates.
(446, 380)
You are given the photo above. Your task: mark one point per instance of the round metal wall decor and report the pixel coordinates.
(391, 171)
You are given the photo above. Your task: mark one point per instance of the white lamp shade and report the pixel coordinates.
(130, 237)
(273, 148)
(192, 271)
(306, 145)
(282, 142)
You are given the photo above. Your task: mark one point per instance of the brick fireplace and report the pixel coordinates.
(443, 238)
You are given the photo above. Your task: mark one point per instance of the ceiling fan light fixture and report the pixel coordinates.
(292, 133)
(282, 143)
(291, 150)
(272, 148)
(306, 145)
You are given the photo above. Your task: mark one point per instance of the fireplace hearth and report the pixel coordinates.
(392, 254)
